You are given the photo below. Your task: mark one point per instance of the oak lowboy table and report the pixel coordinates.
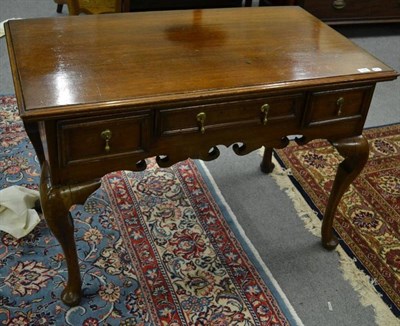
(102, 93)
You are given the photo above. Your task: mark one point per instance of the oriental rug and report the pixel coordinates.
(368, 216)
(158, 247)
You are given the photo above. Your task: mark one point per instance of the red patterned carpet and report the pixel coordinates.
(368, 216)
(185, 256)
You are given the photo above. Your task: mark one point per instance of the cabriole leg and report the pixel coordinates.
(55, 206)
(355, 152)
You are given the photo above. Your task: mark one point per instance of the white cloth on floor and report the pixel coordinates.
(16, 214)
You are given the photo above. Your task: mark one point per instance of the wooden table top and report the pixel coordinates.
(145, 58)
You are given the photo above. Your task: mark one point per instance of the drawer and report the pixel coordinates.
(337, 9)
(229, 114)
(108, 137)
(326, 107)
(385, 8)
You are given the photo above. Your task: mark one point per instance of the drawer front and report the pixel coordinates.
(87, 140)
(385, 8)
(229, 115)
(338, 9)
(327, 107)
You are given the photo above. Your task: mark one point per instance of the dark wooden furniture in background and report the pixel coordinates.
(96, 94)
(348, 11)
(76, 7)
(152, 5)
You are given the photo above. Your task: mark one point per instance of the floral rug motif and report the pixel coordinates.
(154, 248)
(368, 216)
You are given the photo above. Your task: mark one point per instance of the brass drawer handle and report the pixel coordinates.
(339, 4)
(265, 108)
(201, 118)
(339, 105)
(106, 135)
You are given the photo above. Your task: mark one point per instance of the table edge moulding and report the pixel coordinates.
(103, 93)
